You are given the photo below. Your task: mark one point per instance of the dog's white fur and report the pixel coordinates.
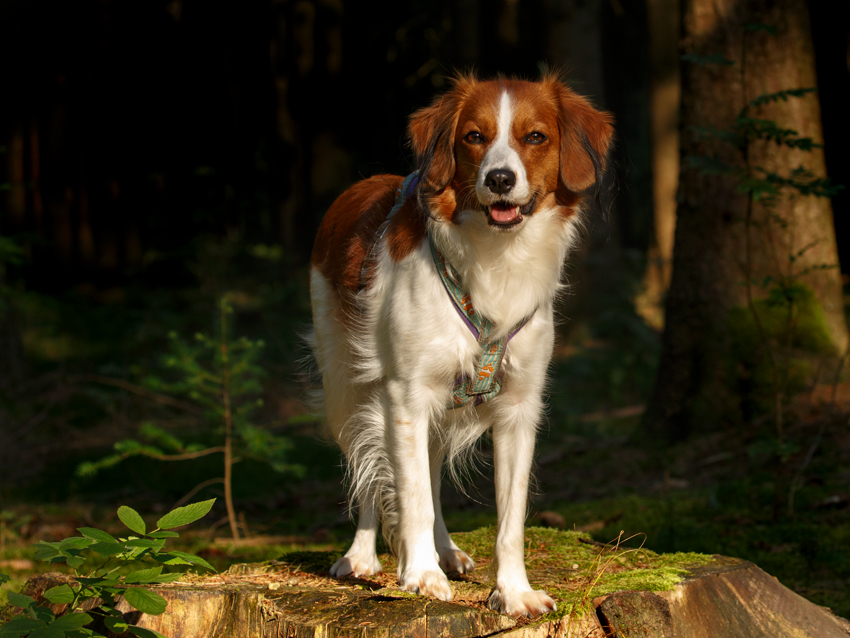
(388, 379)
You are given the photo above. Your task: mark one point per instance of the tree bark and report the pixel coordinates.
(723, 238)
(665, 99)
(725, 597)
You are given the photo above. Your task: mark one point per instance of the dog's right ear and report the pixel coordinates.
(432, 132)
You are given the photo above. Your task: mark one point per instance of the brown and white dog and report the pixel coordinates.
(502, 168)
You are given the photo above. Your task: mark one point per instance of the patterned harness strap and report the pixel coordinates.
(487, 380)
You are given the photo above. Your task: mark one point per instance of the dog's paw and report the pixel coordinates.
(521, 603)
(427, 583)
(356, 565)
(454, 561)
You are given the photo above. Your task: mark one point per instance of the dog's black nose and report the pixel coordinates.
(500, 180)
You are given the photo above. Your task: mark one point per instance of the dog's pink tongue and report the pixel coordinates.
(503, 214)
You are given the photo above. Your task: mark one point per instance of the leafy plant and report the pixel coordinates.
(221, 377)
(94, 593)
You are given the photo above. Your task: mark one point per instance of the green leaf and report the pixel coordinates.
(108, 549)
(194, 560)
(96, 534)
(42, 613)
(99, 581)
(185, 515)
(74, 561)
(116, 625)
(72, 622)
(48, 632)
(131, 519)
(46, 551)
(60, 595)
(170, 559)
(159, 436)
(107, 592)
(143, 575)
(19, 600)
(145, 601)
(75, 542)
(783, 96)
(164, 535)
(141, 632)
(154, 544)
(20, 627)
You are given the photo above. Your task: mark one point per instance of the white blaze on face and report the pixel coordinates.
(501, 155)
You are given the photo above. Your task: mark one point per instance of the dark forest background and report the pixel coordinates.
(131, 128)
(158, 156)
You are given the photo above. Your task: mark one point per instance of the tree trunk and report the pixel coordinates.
(665, 100)
(725, 240)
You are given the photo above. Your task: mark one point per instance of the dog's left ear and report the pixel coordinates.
(586, 136)
(432, 132)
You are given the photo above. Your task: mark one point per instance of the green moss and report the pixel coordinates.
(569, 565)
(574, 569)
(789, 315)
(773, 359)
(613, 569)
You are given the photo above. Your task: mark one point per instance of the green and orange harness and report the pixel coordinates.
(486, 382)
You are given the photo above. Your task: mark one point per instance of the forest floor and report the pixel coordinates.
(596, 472)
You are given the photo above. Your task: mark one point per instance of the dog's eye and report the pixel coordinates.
(535, 137)
(474, 137)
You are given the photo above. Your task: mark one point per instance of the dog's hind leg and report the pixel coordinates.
(453, 560)
(361, 559)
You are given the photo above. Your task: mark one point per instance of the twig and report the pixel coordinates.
(181, 457)
(195, 490)
(164, 399)
(228, 424)
(797, 481)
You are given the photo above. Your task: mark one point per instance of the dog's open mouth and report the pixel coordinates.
(505, 214)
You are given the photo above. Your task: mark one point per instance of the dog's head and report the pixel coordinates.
(508, 147)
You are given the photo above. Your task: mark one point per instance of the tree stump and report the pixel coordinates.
(600, 591)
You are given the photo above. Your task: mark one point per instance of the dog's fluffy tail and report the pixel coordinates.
(369, 472)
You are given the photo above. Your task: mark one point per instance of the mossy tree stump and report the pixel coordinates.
(600, 591)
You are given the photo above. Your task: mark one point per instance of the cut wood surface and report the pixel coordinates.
(600, 591)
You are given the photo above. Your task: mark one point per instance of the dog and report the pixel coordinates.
(433, 321)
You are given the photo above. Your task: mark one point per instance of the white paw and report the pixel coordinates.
(356, 565)
(455, 561)
(521, 603)
(427, 583)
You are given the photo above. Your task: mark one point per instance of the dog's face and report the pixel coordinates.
(508, 148)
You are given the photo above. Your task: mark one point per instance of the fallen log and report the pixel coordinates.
(601, 592)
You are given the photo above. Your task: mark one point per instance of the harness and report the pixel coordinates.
(486, 382)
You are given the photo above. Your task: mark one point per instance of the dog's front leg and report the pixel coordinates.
(407, 429)
(513, 449)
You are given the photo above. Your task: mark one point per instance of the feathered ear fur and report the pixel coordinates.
(586, 136)
(432, 131)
